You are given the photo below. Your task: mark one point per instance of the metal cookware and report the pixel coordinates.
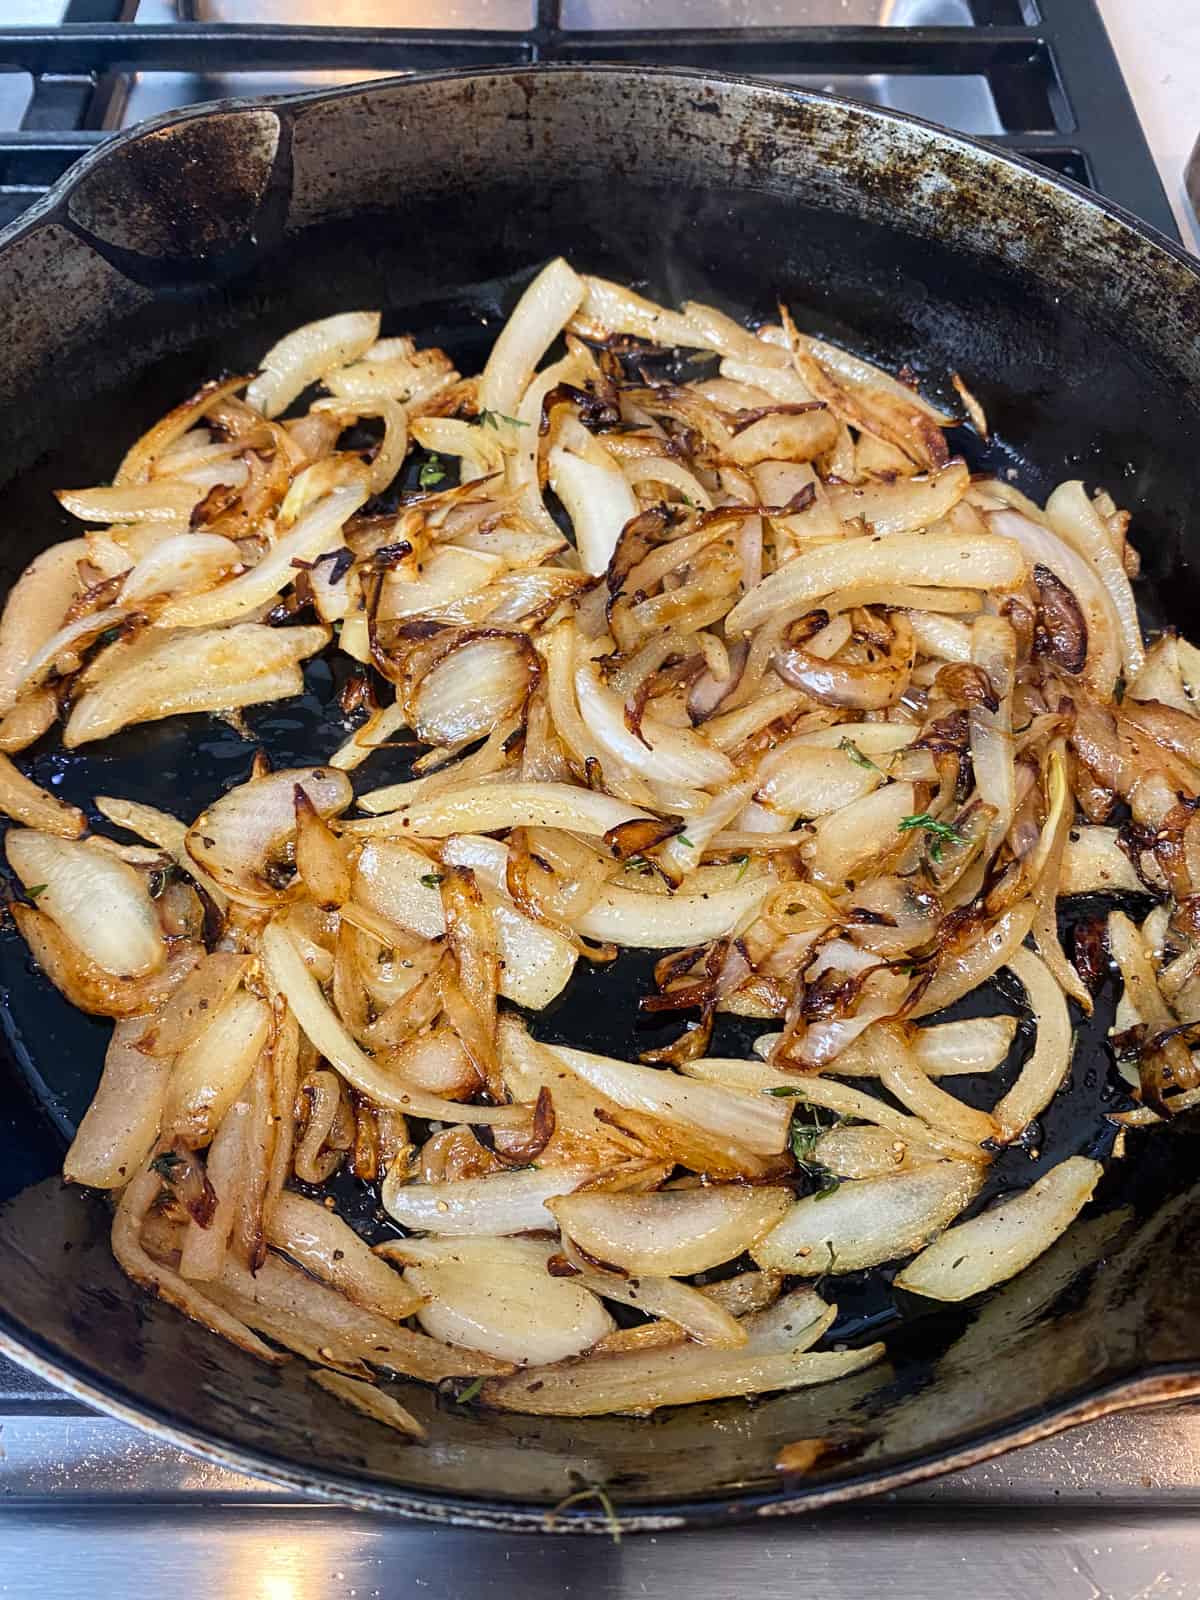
(185, 247)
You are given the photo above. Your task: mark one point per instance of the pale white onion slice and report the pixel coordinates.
(166, 502)
(322, 1026)
(532, 327)
(691, 1310)
(903, 1078)
(994, 651)
(318, 1240)
(753, 1121)
(307, 354)
(516, 1313)
(672, 1233)
(868, 738)
(1002, 1241)
(661, 469)
(942, 1049)
(239, 836)
(945, 638)
(446, 575)
(1074, 518)
(1042, 1075)
(1094, 863)
(318, 530)
(23, 801)
(866, 1152)
(643, 920)
(213, 1070)
(598, 501)
(471, 689)
(612, 308)
(868, 1221)
(167, 675)
(493, 806)
(398, 883)
(843, 1099)
(1045, 547)
(101, 903)
(160, 828)
(137, 1200)
(370, 1400)
(663, 753)
(183, 561)
(940, 560)
(33, 611)
(508, 1202)
(295, 1310)
(122, 1122)
(781, 382)
(797, 780)
(184, 1017)
(841, 842)
(966, 969)
(63, 647)
(1161, 677)
(905, 504)
(640, 1382)
(393, 370)
(477, 447)
(975, 1044)
(146, 455)
(467, 1250)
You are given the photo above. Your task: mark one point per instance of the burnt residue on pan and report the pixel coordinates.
(184, 250)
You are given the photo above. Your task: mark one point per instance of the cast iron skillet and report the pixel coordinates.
(185, 247)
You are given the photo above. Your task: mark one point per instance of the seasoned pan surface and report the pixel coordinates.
(185, 250)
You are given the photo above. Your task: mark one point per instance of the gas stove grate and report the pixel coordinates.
(1044, 74)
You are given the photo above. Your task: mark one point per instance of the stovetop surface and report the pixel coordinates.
(87, 1504)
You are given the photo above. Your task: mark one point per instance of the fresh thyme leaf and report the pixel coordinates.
(830, 1185)
(860, 760)
(36, 889)
(593, 1491)
(639, 864)
(431, 879)
(493, 419)
(432, 473)
(786, 1091)
(941, 831)
(468, 1394)
(819, 1282)
(683, 839)
(743, 862)
(165, 1164)
(803, 1141)
(803, 1134)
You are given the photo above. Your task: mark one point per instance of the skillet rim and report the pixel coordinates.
(1151, 1385)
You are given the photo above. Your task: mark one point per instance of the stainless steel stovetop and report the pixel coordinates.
(88, 1505)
